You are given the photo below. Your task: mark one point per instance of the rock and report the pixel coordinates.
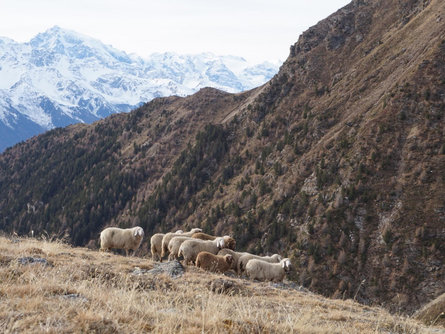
(138, 271)
(173, 269)
(75, 297)
(310, 185)
(33, 260)
(289, 286)
(224, 286)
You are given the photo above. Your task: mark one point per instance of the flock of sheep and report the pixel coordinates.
(211, 253)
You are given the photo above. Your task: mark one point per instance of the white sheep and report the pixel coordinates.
(173, 246)
(190, 248)
(235, 255)
(156, 245)
(114, 237)
(242, 261)
(265, 271)
(168, 236)
(214, 263)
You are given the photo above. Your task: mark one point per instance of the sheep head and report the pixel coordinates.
(138, 231)
(196, 230)
(229, 259)
(285, 263)
(229, 242)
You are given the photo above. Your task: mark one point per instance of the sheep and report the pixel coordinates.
(242, 261)
(173, 246)
(190, 248)
(168, 236)
(235, 255)
(265, 271)
(214, 263)
(203, 236)
(114, 237)
(156, 245)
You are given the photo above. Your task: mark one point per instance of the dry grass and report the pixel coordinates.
(87, 291)
(433, 313)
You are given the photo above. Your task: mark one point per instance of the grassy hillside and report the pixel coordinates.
(79, 290)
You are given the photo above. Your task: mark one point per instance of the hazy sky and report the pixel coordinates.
(255, 29)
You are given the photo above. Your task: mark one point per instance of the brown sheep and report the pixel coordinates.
(236, 257)
(203, 236)
(214, 263)
(190, 248)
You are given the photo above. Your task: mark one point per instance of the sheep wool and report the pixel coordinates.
(168, 236)
(155, 246)
(214, 263)
(203, 236)
(118, 238)
(173, 246)
(265, 271)
(235, 255)
(190, 248)
(242, 261)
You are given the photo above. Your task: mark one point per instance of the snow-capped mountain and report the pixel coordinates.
(61, 77)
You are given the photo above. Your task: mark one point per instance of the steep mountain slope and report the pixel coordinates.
(338, 161)
(61, 77)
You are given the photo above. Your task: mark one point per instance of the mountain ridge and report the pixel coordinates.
(62, 77)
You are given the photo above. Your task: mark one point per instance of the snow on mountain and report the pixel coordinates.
(62, 77)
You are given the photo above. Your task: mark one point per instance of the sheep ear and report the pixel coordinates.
(283, 264)
(220, 243)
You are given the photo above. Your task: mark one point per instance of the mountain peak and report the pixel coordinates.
(57, 40)
(57, 34)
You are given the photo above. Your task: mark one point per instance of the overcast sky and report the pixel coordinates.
(257, 30)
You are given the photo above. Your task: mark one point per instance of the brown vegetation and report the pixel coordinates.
(88, 291)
